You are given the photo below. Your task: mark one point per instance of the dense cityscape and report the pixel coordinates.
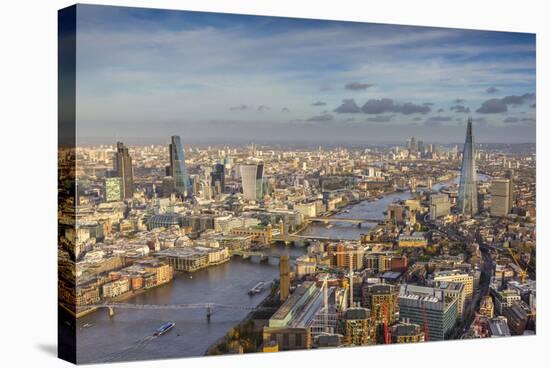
(344, 246)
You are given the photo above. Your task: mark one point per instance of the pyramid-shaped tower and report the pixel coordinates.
(467, 191)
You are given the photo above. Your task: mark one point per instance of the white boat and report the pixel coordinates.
(257, 288)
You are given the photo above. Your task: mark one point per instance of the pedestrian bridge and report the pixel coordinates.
(208, 307)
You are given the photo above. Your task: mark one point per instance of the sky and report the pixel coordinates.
(143, 75)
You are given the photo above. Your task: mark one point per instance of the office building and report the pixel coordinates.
(455, 290)
(252, 181)
(340, 255)
(396, 214)
(178, 168)
(124, 170)
(381, 299)
(467, 190)
(429, 307)
(500, 197)
(457, 276)
(218, 178)
(414, 240)
(440, 206)
(358, 327)
(405, 332)
(486, 307)
(412, 145)
(505, 298)
(518, 317)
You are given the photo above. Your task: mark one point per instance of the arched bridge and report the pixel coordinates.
(356, 221)
(343, 219)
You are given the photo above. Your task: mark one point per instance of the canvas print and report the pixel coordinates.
(235, 184)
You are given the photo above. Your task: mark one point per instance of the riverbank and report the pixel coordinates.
(119, 298)
(246, 336)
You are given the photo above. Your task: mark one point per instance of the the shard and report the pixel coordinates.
(467, 191)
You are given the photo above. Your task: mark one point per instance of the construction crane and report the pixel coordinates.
(386, 331)
(523, 273)
(350, 253)
(425, 321)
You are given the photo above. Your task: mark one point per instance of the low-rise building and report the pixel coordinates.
(404, 332)
(415, 240)
(116, 288)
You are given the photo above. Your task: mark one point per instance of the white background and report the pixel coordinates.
(28, 121)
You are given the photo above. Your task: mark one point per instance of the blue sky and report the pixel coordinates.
(143, 75)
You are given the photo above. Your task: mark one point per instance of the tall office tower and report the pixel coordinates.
(123, 167)
(412, 145)
(420, 147)
(218, 178)
(260, 180)
(500, 197)
(284, 275)
(467, 191)
(252, 180)
(178, 169)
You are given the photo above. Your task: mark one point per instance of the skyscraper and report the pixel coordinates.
(252, 180)
(467, 191)
(124, 170)
(500, 197)
(218, 178)
(178, 169)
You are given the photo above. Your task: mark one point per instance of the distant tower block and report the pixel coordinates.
(467, 191)
(284, 271)
(178, 168)
(124, 170)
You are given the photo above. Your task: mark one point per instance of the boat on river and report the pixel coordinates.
(257, 288)
(164, 328)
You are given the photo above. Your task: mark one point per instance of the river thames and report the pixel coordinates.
(127, 335)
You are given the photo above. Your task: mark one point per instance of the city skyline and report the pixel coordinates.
(232, 184)
(296, 78)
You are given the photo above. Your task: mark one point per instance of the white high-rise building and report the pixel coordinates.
(500, 197)
(252, 180)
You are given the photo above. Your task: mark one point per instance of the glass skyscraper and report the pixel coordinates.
(467, 191)
(252, 180)
(124, 170)
(178, 169)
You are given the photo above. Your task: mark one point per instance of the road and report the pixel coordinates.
(485, 278)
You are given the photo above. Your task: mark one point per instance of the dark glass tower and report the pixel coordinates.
(178, 170)
(218, 177)
(124, 170)
(467, 191)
